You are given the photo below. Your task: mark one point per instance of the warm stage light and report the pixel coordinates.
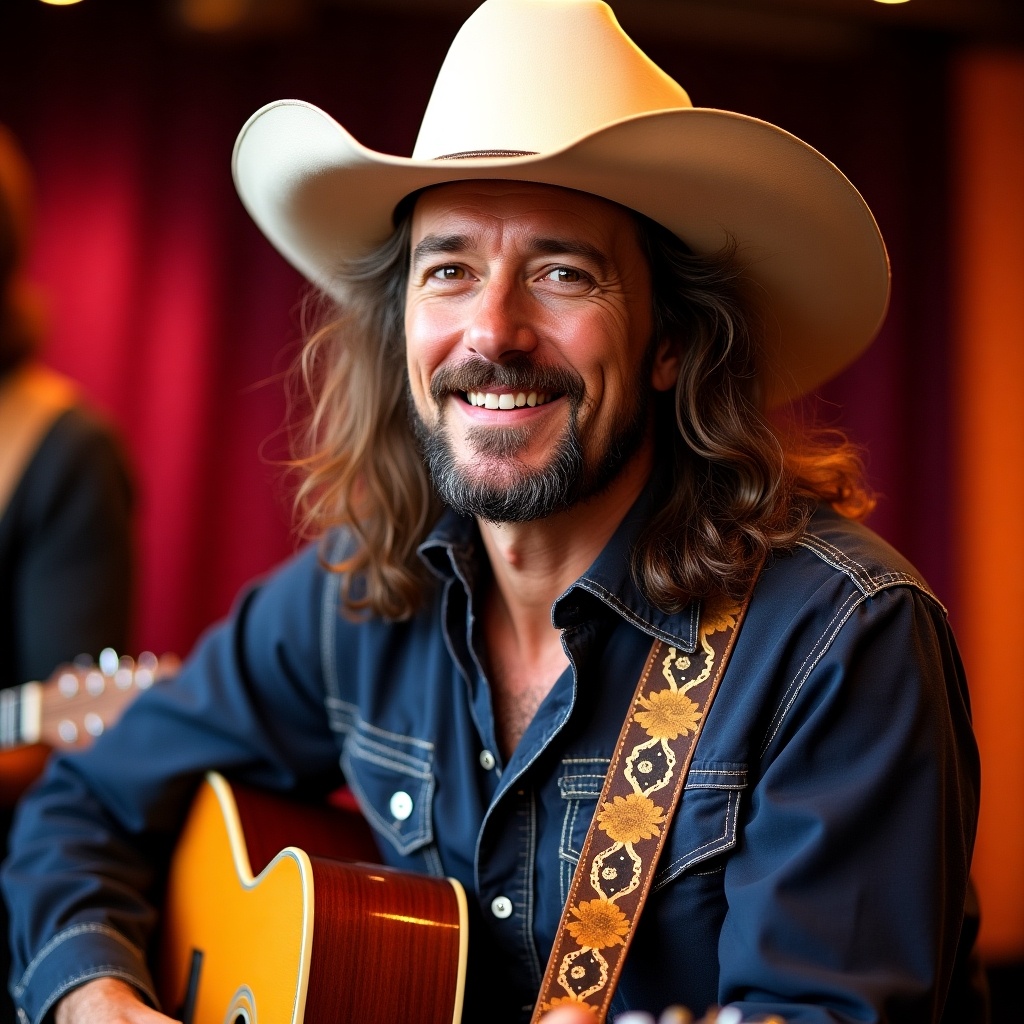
(891, 1)
(61, 3)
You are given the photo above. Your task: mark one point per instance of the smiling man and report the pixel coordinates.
(557, 521)
(528, 325)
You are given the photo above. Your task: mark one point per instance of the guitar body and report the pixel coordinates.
(257, 930)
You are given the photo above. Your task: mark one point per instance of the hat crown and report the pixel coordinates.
(532, 76)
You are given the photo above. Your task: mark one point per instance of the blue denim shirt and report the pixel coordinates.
(816, 867)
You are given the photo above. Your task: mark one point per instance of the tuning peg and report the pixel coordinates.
(108, 661)
(145, 671)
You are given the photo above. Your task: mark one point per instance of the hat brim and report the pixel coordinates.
(812, 249)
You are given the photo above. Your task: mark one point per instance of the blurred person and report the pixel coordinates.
(542, 463)
(65, 496)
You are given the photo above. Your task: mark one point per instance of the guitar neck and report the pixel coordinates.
(21, 715)
(78, 702)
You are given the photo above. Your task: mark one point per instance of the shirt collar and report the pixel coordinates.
(452, 549)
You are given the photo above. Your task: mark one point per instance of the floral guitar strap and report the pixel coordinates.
(645, 780)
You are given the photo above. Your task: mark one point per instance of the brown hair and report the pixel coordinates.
(728, 489)
(731, 485)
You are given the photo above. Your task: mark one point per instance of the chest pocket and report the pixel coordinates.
(392, 777)
(703, 827)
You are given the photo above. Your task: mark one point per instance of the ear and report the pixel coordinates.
(665, 368)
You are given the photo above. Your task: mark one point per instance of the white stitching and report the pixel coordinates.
(359, 723)
(797, 685)
(70, 933)
(864, 580)
(803, 671)
(689, 644)
(417, 765)
(364, 753)
(421, 829)
(527, 890)
(721, 842)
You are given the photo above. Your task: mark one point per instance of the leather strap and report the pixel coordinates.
(645, 780)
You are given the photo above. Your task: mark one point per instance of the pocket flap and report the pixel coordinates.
(704, 824)
(394, 789)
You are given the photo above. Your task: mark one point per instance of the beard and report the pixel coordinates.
(505, 489)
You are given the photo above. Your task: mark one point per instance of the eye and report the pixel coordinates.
(448, 273)
(564, 275)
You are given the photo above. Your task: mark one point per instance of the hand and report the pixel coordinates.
(106, 1001)
(672, 1015)
(568, 1015)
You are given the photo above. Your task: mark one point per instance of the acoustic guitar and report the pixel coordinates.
(67, 711)
(273, 915)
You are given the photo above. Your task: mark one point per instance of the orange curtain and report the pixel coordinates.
(988, 261)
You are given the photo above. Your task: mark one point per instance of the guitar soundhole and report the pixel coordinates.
(242, 1009)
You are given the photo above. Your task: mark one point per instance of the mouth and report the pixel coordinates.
(507, 399)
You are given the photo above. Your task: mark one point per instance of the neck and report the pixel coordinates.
(533, 563)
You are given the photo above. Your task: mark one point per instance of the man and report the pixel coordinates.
(597, 292)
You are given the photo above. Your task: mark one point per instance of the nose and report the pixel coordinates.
(500, 324)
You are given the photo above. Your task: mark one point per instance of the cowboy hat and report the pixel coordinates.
(553, 91)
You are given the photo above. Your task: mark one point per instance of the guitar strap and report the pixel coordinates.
(645, 780)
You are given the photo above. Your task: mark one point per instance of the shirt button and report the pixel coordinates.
(501, 906)
(487, 761)
(401, 805)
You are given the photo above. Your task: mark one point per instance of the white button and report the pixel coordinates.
(487, 761)
(401, 805)
(501, 906)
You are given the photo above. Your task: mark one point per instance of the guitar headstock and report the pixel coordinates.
(82, 699)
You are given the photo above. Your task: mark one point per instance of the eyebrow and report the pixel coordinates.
(441, 245)
(438, 245)
(572, 247)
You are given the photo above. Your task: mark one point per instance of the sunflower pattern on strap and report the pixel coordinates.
(643, 785)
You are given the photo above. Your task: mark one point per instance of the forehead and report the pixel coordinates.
(502, 206)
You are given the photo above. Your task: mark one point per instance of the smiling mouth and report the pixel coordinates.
(507, 399)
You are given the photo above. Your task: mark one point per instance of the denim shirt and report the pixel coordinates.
(816, 867)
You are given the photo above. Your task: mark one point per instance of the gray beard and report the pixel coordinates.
(527, 494)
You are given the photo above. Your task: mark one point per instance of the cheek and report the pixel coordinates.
(432, 340)
(424, 347)
(608, 351)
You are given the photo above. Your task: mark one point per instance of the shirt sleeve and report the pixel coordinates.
(91, 843)
(846, 894)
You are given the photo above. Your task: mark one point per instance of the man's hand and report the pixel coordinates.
(673, 1015)
(568, 1015)
(106, 1001)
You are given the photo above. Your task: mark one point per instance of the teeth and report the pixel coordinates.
(506, 400)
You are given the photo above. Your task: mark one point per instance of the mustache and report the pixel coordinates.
(518, 374)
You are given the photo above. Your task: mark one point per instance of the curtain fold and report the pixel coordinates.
(988, 360)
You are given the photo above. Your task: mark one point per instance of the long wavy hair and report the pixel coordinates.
(731, 485)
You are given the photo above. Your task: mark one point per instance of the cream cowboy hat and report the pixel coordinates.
(554, 91)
